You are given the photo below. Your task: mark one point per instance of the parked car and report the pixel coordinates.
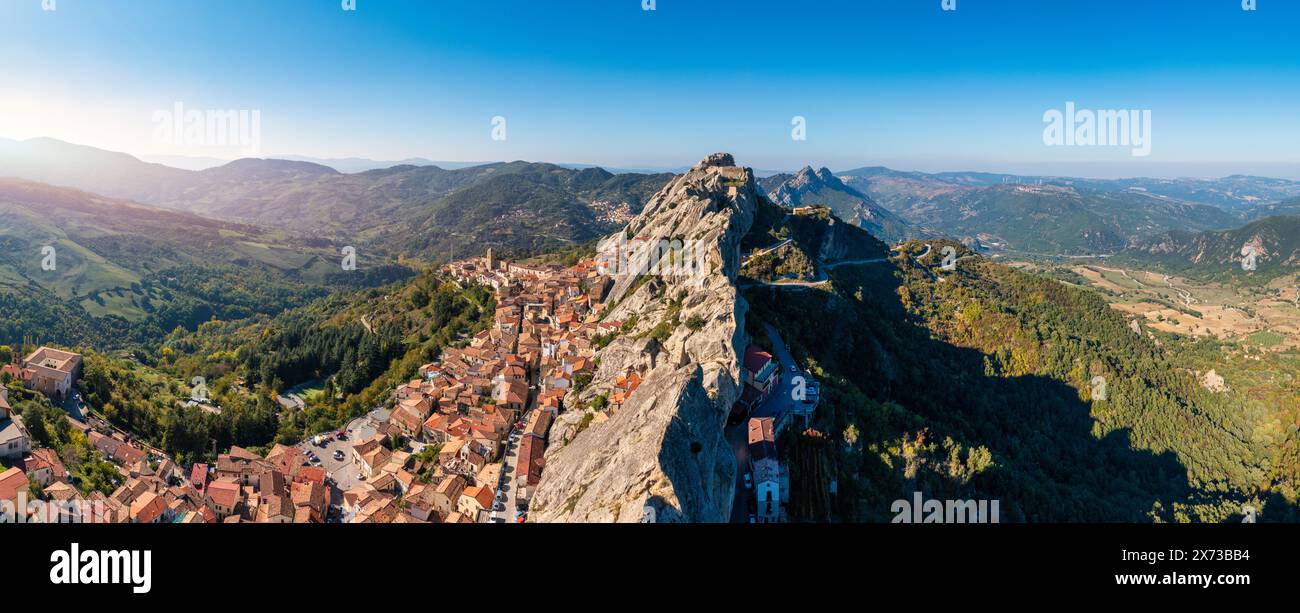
(338, 454)
(749, 481)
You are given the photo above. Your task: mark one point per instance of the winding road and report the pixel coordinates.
(822, 277)
(759, 252)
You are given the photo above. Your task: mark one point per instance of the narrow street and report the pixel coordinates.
(782, 399)
(777, 404)
(508, 513)
(738, 436)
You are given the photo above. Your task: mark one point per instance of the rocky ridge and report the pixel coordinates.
(661, 456)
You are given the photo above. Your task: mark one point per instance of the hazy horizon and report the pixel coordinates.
(903, 85)
(1080, 170)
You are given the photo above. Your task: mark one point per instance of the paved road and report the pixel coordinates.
(758, 252)
(780, 402)
(738, 437)
(782, 399)
(507, 511)
(72, 405)
(822, 277)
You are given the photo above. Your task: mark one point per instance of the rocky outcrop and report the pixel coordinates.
(1214, 382)
(663, 448)
(821, 187)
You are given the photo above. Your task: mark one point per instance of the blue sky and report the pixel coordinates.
(900, 83)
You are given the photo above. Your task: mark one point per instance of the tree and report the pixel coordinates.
(851, 435)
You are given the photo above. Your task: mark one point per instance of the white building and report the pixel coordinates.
(765, 468)
(15, 442)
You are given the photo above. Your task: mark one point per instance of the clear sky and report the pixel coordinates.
(901, 83)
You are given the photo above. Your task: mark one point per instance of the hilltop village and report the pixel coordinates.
(463, 441)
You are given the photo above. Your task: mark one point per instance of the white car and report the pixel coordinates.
(749, 481)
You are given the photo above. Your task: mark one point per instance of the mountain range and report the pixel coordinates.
(516, 206)
(418, 210)
(973, 382)
(87, 268)
(1274, 243)
(821, 187)
(970, 381)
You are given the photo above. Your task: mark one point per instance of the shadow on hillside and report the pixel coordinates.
(1047, 464)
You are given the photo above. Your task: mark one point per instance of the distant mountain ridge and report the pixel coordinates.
(1274, 243)
(419, 211)
(120, 272)
(402, 210)
(1240, 195)
(821, 187)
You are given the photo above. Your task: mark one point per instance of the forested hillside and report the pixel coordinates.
(80, 268)
(989, 383)
(1253, 254)
(359, 345)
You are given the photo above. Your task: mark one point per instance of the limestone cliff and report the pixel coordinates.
(663, 448)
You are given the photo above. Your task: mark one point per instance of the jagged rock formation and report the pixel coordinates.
(664, 447)
(821, 187)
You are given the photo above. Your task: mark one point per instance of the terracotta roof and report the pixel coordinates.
(224, 493)
(756, 359)
(147, 508)
(12, 481)
(481, 495)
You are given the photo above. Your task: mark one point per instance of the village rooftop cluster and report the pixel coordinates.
(463, 441)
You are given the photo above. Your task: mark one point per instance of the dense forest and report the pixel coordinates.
(359, 344)
(987, 383)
